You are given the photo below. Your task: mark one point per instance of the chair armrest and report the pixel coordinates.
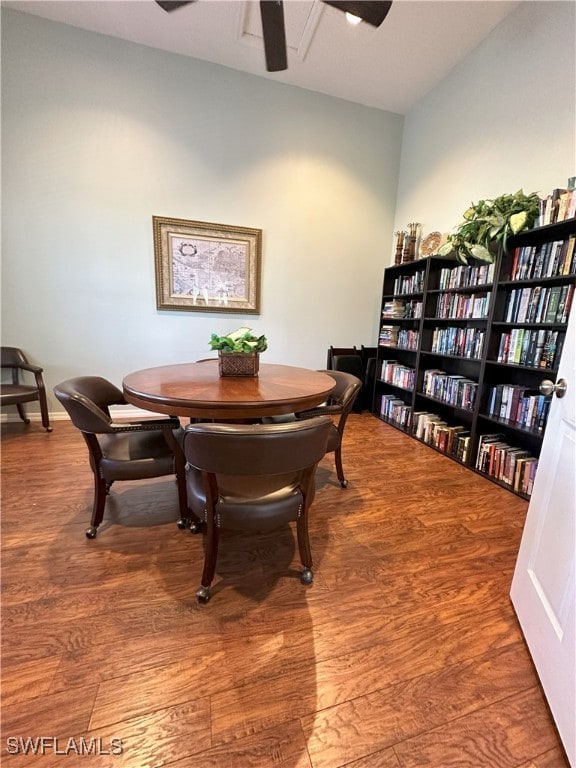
(25, 367)
(321, 410)
(149, 425)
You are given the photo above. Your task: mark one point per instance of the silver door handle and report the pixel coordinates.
(548, 387)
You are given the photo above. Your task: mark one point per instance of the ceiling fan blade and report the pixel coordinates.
(171, 5)
(272, 13)
(372, 11)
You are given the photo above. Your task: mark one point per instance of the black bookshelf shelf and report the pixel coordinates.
(396, 386)
(452, 406)
(531, 433)
(497, 334)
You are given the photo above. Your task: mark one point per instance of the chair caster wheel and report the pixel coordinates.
(307, 577)
(48, 429)
(183, 523)
(203, 594)
(195, 527)
(91, 532)
(343, 483)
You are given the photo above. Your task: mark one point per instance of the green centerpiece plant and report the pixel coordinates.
(239, 341)
(487, 225)
(238, 352)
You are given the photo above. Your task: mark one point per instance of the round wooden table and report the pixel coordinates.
(196, 390)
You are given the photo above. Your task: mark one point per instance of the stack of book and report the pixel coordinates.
(519, 405)
(552, 259)
(409, 283)
(413, 309)
(395, 410)
(462, 306)
(389, 335)
(539, 304)
(397, 374)
(408, 339)
(464, 277)
(462, 342)
(537, 349)
(559, 205)
(394, 308)
(433, 430)
(455, 390)
(512, 466)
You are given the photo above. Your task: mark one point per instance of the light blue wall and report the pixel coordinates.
(99, 135)
(503, 119)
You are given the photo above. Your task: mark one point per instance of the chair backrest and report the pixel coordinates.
(86, 399)
(12, 357)
(333, 351)
(256, 449)
(351, 364)
(346, 390)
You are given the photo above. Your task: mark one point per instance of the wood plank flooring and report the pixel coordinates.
(405, 652)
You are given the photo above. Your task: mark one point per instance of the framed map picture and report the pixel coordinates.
(203, 267)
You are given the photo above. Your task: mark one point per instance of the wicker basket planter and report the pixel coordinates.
(238, 363)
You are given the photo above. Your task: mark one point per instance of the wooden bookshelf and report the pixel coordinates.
(463, 350)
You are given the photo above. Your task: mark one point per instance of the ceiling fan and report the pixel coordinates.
(272, 13)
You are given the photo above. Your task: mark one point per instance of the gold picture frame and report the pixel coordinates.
(204, 267)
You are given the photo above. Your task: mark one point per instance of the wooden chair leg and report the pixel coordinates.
(22, 413)
(101, 488)
(212, 541)
(44, 412)
(304, 548)
(339, 469)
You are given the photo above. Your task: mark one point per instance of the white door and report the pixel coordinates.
(544, 584)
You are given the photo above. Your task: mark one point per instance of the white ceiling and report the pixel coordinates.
(389, 67)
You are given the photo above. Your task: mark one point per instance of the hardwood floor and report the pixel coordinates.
(405, 652)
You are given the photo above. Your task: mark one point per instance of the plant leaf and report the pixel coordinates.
(480, 252)
(518, 221)
(446, 249)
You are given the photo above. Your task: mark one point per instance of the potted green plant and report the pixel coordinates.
(488, 223)
(239, 352)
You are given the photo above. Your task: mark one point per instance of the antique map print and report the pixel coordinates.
(211, 272)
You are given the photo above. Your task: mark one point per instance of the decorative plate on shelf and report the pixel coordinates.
(429, 245)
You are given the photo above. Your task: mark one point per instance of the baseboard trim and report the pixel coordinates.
(119, 411)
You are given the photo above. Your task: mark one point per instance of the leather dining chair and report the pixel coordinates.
(339, 404)
(119, 450)
(255, 477)
(17, 392)
(352, 364)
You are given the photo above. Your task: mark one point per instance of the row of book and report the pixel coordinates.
(399, 375)
(409, 283)
(396, 410)
(463, 342)
(454, 390)
(463, 306)
(559, 205)
(534, 348)
(539, 304)
(518, 404)
(403, 338)
(389, 335)
(450, 439)
(547, 260)
(396, 308)
(510, 465)
(466, 276)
